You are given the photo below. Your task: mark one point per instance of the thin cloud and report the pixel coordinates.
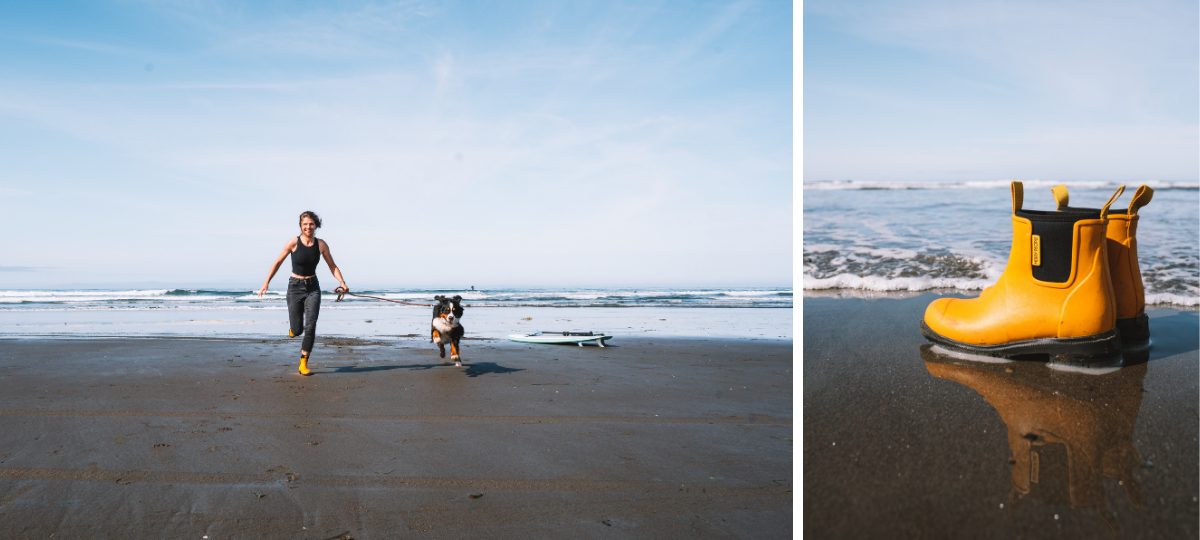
(105, 48)
(443, 71)
(716, 27)
(369, 29)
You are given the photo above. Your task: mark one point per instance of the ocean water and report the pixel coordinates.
(759, 313)
(203, 299)
(867, 239)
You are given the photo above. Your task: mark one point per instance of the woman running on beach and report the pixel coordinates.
(304, 292)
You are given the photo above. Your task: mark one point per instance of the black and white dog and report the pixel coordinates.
(446, 325)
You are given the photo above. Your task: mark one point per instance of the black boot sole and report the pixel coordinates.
(1080, 350)
(1135, 332)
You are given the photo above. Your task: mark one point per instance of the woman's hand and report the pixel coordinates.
(288, 248)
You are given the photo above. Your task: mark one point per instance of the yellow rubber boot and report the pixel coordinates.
(1055, 296)
(290, 334)
(304, 366)
(1068, 432)
(1128, 291)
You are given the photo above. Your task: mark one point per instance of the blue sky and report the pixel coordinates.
(444, 143)
(950, 90)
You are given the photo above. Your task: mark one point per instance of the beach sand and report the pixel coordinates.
(221, 438)
(901, 442)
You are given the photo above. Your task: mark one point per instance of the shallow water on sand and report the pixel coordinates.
(414, 322)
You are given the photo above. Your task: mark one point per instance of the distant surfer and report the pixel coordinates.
(304, 292)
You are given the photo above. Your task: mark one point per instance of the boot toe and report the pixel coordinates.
(958, 319)
(936, 313)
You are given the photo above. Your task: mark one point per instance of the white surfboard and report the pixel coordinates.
(560, 337)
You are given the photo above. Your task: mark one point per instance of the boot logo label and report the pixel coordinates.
(1033, 465)
(1037, 250)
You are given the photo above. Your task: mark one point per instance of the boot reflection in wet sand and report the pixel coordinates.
(1067, 431)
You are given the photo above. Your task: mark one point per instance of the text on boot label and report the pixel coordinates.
(1037, 250)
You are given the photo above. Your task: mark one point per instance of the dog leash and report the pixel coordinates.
(342, 292)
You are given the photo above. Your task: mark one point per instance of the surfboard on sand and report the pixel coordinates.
(578, 338)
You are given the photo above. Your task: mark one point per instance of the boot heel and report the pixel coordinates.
(1075, 350)
(1135, 332)
(1126, 274)
(1087, 349)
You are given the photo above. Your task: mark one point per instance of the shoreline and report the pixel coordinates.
(866, 294)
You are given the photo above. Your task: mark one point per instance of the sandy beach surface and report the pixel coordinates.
(221, 438)
(903, 442)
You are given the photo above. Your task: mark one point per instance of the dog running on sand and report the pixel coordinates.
(446, 326)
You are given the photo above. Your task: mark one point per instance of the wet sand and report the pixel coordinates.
(902, 442)
(221, 438)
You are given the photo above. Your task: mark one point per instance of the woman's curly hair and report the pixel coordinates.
(311, 215)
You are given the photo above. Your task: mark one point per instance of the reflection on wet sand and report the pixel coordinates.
(1067, 431)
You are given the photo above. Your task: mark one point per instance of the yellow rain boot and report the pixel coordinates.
(304, 366)
(1128, 291)
(1055, 296)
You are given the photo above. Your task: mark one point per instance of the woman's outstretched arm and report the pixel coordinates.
(287, 250)
(337, 273)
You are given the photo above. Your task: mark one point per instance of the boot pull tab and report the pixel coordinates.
(1104, 211)
(1060, 195)
(1018, 195)
(1140, 199)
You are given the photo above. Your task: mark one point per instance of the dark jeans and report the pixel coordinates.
(304, 305)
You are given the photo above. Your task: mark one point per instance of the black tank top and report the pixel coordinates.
(305, 258)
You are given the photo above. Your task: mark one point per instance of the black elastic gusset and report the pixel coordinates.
(1062, 214)
(1096, 211)
(1056, 231)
